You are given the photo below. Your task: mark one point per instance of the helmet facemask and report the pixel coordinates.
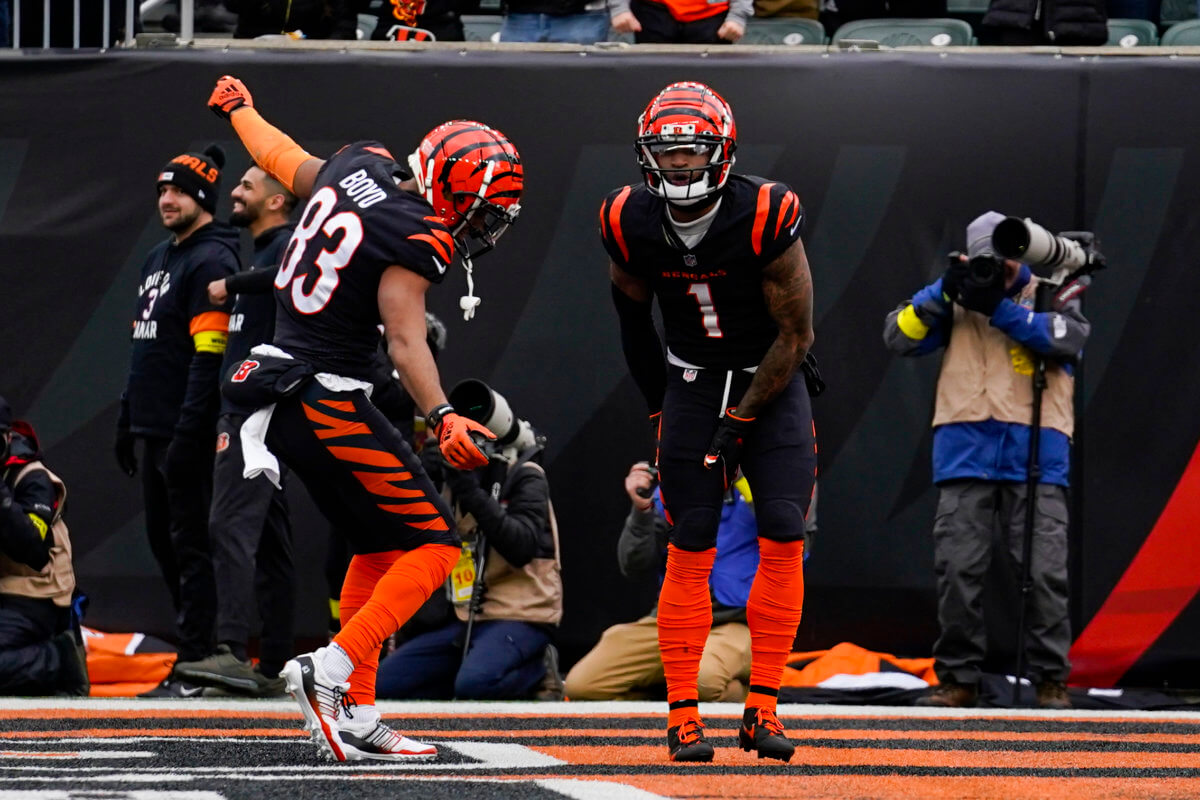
(691, 118)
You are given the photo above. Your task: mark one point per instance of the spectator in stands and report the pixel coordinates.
(835, 13)
(626, 663)
(440, 17)
(39, 650)
(568, 21)
(506, 587)
(981, 436)
(171, 399)
(1032, 22)
(249, 530)
(316, 19)
(681, 21)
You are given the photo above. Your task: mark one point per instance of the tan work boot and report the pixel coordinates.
(949, 694)
(1053, 694)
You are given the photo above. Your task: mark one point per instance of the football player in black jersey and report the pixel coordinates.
(722, 254)
(369, 243)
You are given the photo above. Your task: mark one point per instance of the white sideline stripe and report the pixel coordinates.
(578, 709)
(491, 755)
(60, 755)
(135, 794)
(143, 739)
(596, 790)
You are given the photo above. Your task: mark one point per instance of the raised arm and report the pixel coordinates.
(271, 148)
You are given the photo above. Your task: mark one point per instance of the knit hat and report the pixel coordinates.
(197, 175)
(979, 234)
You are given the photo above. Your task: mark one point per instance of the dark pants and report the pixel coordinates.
(359, 471)
(29, 661)
(504, 663)
(779, 457)
(659, 27)
(177, 525)
(252, 554)
(969, 514)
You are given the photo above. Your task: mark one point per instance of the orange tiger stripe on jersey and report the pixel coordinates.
(340, 405)
(380, 483)
(334, 427)
(614, 221)
(209, 321)
(760, 217)
(789, 200)
(363, 455)
(446, 251)
(418, 509)
(432, 524)
(380, 151)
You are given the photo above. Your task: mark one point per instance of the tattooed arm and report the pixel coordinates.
(787, 287)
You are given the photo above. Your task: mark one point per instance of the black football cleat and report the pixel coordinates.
(762, 731)
(686, 742)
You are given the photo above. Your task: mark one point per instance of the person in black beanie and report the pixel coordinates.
(171, 399)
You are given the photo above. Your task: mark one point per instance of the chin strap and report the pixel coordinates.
(469, 302)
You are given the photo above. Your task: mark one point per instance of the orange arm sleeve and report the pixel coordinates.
(271, 148)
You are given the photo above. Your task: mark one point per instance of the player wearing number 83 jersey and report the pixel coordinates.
(371, 241)
(722, 253)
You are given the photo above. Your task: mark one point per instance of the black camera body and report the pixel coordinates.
(983, 272)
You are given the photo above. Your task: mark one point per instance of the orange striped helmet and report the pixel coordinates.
(686, 115)
(472, 176)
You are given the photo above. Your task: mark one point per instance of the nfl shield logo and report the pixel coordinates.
(689, 260)
(689, 375)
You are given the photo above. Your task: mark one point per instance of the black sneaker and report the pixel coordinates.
(762, 731)
(686, 742)
(72, 671)
(173, 687)
(224, 670)
(950, 694)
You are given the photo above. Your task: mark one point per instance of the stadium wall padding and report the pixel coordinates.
(892, 154)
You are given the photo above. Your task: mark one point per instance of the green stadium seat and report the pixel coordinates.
(1176, 11)
(482, 27)
(900, 32)
(967, 6)
(1132, 33)
(1182, 33)
(784, 30)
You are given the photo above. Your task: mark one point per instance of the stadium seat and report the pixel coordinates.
(914, 32)
(482, 27)
(1182, 33)
(967, 6)
(1176, 11)
(1132, 33)
(784, 30)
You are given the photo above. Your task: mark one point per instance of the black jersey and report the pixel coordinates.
(356, 225)
(711, 295)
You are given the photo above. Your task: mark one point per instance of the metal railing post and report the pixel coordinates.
(105, 25)
(75, 26)
(16, 25)
(129, 23)
(46, 24)
(187, 21)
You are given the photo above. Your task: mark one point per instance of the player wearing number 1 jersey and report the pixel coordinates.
(722, 254)
(370, 242)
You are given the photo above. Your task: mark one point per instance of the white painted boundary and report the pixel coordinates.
(582, 709)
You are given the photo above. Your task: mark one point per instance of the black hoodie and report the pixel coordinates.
(172, 388)
(20, 537)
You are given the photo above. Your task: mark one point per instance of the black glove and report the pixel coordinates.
(952, 279)
(187, 459)
(983, 299)
(1087, 240)
(123, 447)
(727, 442)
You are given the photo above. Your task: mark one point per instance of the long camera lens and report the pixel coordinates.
(1025, 240)
(475, 400)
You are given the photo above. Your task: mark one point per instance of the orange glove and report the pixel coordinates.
(229, 95)
(459, 438)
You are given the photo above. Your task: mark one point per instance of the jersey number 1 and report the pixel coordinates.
(703, 295)
(317, 218)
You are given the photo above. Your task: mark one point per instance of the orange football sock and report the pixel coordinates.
(381, 591)
(773, 614)
(684, 620)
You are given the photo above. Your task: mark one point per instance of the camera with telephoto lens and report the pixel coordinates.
(475, 400)
(1025, 240)
(983, 271)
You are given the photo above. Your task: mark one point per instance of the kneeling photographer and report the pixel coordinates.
(1011, 342)
(506, 588)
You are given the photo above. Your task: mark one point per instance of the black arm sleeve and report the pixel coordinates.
(520, 531)
(201, 401)
(20, 540)
(643, 349)
(251, 281)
